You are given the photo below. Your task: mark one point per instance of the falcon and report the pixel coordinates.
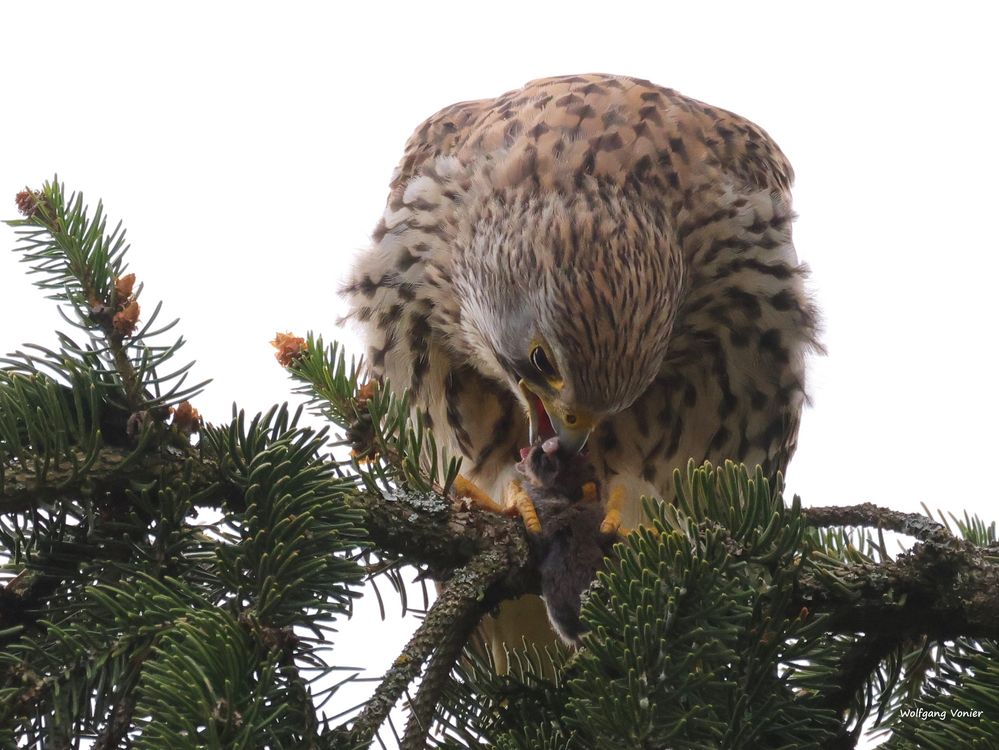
(597, 258)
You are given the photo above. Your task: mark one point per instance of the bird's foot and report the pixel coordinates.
(612, 518)
(523, 506)
(475, 497)
(517, 502)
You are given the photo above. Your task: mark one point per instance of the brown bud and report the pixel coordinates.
(186, 418)
(123, 289)
(124, 321)
(27, 202)
(289, 348)
(366, 392)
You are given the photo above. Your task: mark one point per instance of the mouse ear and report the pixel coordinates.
(550, 445)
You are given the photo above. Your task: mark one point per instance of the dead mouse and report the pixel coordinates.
(570, 547)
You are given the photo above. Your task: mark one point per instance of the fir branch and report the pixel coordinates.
(859, 664)
(941, 589)
(868, 514)
(119, 723)
(82, 264)
(112, 469)
(435, 677)
(947, 588)
(390, 444)
(464, 599)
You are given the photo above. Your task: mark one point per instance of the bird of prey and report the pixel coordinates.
(597, 258)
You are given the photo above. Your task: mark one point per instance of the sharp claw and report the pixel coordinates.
(612, 519)
(523, 506)
(517, 501)
(474, 496)
(611, 522)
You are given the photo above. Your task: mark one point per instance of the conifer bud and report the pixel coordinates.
(289, 348)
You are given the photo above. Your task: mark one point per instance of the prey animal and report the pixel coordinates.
(570, 547)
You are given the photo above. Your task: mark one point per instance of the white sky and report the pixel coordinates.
(248, 146)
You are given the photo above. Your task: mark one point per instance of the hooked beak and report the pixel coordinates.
(547, 420)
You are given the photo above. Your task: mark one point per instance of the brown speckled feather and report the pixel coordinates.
(615, 125)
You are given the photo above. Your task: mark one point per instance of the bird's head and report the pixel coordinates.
(572, 300)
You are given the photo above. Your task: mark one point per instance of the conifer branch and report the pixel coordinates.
(859, 664)
(85, 262)
(947, 589)
(435, 677)
(463, 600)
(112, 471)
(119, 723)
(943, 589)
(867, 514)
(420, 527)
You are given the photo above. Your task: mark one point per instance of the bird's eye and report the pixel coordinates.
(541, 362)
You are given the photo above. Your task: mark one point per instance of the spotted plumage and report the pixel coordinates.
(607, 249)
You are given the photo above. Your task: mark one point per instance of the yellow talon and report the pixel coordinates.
(477, 497)
(611, 522)
(519, 500)
(612, 519)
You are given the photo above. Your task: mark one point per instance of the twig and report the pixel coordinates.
(113, 468)
(940, 589)
(463, 597)
(435, 679)
(119, 722)
(867, 514)
(858, 664)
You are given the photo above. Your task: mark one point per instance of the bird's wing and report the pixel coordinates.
(606, 125)
(441, 134)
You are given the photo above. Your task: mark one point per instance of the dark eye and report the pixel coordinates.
(541, 362)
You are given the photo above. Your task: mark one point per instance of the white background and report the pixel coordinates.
(248, 147)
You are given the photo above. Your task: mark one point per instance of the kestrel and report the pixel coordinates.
(598, 258)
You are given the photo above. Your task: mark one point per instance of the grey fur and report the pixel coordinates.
(570, 547)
